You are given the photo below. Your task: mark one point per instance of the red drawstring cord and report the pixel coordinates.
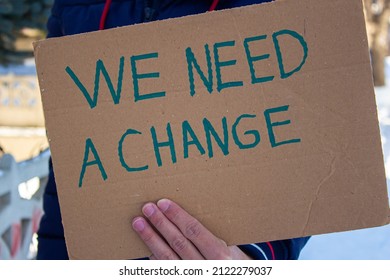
(213, 5)
(107, 8)
(104, 14)
(271, 249)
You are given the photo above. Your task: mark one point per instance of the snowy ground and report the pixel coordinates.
(366, 244)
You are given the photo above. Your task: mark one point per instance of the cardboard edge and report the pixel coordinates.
(36, 45)
(72, 257)
(388, 217)
(36, 48)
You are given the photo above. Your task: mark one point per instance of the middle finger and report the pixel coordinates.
(176, 240)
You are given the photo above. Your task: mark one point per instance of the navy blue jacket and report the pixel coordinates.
(77, 16)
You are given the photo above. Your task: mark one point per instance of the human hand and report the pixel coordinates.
(180, 236)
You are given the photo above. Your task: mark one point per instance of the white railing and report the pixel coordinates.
(21, 190)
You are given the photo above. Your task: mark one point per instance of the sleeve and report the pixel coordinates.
(51, 240)
(54, 23)
(275, 250)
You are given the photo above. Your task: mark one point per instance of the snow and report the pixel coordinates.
(365, 244)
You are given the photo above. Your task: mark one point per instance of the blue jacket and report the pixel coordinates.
(77, 16)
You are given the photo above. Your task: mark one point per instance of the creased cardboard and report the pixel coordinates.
(260, 121)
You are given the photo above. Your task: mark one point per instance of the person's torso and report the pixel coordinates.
(79, 16)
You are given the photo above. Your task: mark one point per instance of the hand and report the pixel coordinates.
(180, 236)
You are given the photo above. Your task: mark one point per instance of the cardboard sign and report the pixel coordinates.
(260, 121)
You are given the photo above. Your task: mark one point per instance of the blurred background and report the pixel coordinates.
(24, 152)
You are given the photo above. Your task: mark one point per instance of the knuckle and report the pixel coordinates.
(223, 243)
(147, 237)
(166, 256)
(192, 230)
(174, 213)
(223, 255)
(179, 244)
(158, 222)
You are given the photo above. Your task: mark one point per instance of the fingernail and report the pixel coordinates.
(138, 224)
(163, 204)
(148, 210)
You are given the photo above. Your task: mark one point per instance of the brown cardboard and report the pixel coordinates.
(325, 172)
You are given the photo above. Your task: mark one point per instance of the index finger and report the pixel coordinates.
(210, 246)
